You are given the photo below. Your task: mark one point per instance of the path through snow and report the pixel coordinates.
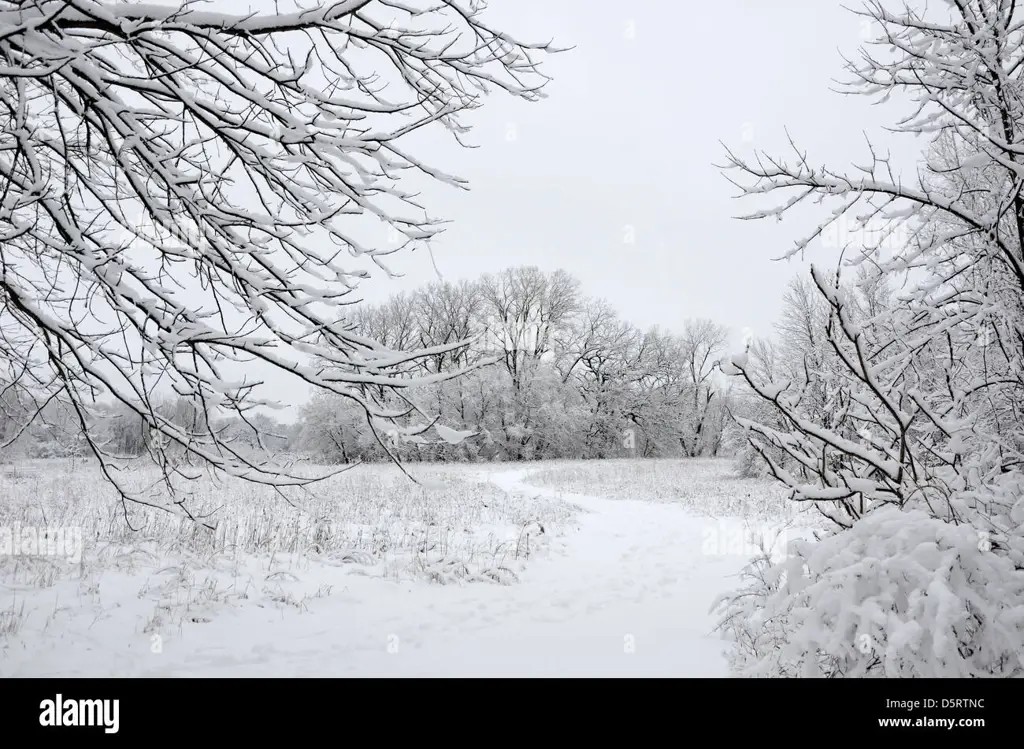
(628, 595)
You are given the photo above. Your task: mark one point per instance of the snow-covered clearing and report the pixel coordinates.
(611, 587)
(704, 486)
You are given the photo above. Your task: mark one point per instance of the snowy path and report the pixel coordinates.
(628, 595)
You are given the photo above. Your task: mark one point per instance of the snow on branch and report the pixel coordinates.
(181, 189)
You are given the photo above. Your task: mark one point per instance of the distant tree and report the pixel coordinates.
(597, 353)
(524, 308)
(702, 346)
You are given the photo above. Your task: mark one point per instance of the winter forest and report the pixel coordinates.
(224, 393)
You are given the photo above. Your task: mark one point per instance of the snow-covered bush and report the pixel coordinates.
(900, 594)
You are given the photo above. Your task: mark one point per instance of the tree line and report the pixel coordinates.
(545, 372)
(548, 373)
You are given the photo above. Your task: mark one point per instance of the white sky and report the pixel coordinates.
(627, 142)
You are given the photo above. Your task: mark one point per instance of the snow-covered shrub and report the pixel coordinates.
(900, 594)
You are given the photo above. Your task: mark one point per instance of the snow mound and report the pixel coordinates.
(900, 594)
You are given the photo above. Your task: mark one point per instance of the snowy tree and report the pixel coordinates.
(703, 343)
(180, 188)
(801, 356)
(924, 418)
(524, 308)
(596, 353)
(449, 313)
(765, 364)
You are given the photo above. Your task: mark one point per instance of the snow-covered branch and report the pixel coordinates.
(182, 188)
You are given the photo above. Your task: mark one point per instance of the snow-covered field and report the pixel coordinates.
(488, 570)
(702, 485)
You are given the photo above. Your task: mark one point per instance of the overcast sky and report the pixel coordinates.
(612, 177)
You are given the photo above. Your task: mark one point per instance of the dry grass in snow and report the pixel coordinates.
(371, 521)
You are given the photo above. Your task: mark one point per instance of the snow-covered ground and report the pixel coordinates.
(615, 587)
